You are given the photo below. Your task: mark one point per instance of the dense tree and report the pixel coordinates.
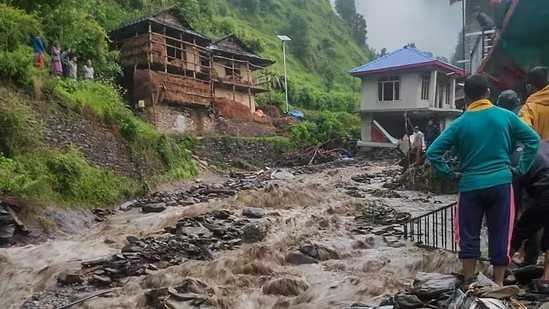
(299, 31)
(346, 9)
(359, 30)
(33, 5)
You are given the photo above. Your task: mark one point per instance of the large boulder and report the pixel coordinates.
(254, 213)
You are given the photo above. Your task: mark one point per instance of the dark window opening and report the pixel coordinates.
(425, 85)
(389, 89)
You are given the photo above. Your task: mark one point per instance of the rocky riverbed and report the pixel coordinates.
(325, 236)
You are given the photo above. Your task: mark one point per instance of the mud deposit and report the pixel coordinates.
(327, 236)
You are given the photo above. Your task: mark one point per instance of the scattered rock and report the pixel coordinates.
(298, 258)
(408, 301)
(319, 252)
(69, 277)
(98, 280)
(285, 287)
(190, 293)
(282, 175)
(255, 213)
(254, 232)
(153, 208)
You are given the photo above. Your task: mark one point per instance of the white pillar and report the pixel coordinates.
(285, 76)
(366, 127)
(453, 93)
(433, 89)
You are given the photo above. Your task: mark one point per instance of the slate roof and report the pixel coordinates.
(403, 59)
(187, 28)
(243, 51)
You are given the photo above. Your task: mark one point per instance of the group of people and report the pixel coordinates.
(63, 63)
(503, 151)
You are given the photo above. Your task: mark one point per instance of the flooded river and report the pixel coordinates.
(308, 212)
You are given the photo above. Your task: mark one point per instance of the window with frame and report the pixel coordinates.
(174, 49)
(233, 68)
(425, 86)
(388, 89)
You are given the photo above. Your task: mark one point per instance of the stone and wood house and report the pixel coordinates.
(174, 74)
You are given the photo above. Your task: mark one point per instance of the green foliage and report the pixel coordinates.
(346, 9)
(19, 131)
(72, 24)
(16, 27)
(177, 157)
(16, 180)
(66, 177)
(104, 100)
(17, 66)
(325, 127)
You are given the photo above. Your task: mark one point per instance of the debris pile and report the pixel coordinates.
(189, 293)
(312, 156)
(200, 193)
(193, 238)
(375, 217)
(422, 178)
(433, 290)
(312, 169)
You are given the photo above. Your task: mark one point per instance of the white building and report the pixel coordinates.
(403, 89)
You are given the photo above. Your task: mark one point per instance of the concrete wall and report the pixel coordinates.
(240, 97)
(410, 93)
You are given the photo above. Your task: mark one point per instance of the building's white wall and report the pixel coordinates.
(410, 94)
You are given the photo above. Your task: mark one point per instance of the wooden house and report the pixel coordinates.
(169, 75)
(236, 73)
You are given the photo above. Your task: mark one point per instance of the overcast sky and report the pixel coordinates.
(432, 24)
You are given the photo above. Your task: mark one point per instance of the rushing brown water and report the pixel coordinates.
(310, 208)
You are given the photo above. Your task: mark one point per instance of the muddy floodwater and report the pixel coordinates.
(298, 247)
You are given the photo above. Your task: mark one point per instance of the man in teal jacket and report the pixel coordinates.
(484, 138)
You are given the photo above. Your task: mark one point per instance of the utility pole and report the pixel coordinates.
(284, 39)
(464, 16)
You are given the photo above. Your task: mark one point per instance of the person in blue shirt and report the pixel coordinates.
(484, 139)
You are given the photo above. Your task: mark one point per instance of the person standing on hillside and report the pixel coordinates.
(65, 58)
(56, 66)
(39, 50)
(88, 70)
(73, 67)
(484, 138)
(536, 110)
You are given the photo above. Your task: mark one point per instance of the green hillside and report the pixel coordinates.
(322, 51)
